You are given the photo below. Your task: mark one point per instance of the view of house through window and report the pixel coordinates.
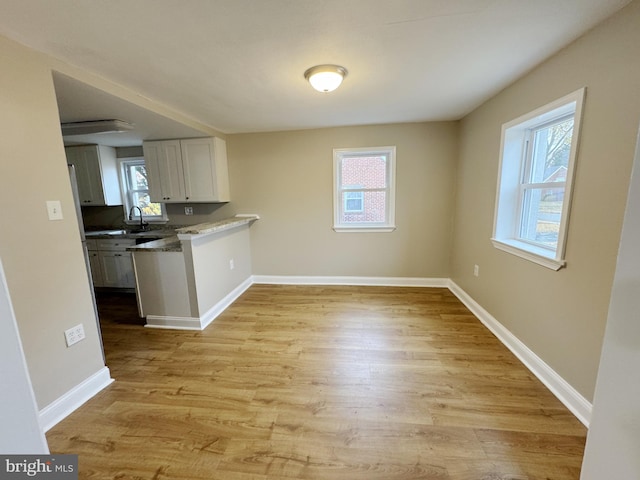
(545, 182)
(134, 177)
(535, 182)
(364, 181)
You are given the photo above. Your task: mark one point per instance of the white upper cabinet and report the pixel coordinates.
(191, 170)
(96, 173)
(164, 169)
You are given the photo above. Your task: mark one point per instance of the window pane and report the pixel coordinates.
(373, 208)
(138, 177)
(550, 154)
(541, 215)
(353, 201)
(364, 172)
(142, 200)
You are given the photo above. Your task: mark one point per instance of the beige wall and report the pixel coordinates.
(286, 178)
(43, 259)
(559, 315)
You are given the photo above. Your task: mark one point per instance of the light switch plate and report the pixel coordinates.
(54, 209)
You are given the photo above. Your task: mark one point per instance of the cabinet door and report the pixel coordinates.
(164, 165)
(117, 270)
(126, 275)
(96, 174)
(204, 162)
(96, 272)
(109, 268)
(85, 160)
(198, 163)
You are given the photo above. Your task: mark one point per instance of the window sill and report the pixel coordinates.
(366, 229)
(528, 252)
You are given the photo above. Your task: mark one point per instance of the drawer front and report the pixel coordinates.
(91, 244)
(116, 244)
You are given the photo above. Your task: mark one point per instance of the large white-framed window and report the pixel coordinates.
(135, 193)
(364, 189)
(535, 181)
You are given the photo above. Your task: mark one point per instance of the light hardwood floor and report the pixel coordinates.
(310, 382)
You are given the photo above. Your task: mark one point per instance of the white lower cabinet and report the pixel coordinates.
(111, 265)
(117, 270)
(96, 271)
(94, 262)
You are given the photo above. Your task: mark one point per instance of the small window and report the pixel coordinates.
(353, 202)
(364, 189)
(535, 181)
(135, 189)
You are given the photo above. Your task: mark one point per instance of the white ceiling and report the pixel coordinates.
(237, 65)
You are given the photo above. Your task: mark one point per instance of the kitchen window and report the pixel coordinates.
(364, 189)
(538, 155)
(135, 193)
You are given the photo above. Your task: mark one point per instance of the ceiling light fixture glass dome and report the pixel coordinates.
(325, 78)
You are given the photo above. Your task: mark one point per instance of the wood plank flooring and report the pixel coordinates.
(312, 382)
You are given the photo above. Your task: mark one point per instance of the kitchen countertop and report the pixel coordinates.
(219, 226)
(168, 244)
(170, 241)
(130, 233)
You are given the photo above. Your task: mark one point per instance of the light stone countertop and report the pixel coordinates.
(167, 244)
(122, 233)
(219, 226)
(173, 243)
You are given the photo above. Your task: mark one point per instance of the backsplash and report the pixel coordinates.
(113, 217)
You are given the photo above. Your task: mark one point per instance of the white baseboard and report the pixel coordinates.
(59, 409)
(569, 396)
(364, 281)
(223, 304)
(195, 323)
(173, 323)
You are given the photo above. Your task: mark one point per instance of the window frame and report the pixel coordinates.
(515, 162)
(127, 194)
(389, 224)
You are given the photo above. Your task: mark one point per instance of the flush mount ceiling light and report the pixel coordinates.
(95, 126)
(325, 78)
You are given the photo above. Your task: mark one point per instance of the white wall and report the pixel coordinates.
(20, 431)
(613, 443)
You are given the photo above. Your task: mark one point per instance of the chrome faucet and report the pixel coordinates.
(143, 224)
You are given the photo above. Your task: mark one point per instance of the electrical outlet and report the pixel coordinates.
(74, 335)
(54, 209)
(231, 264)
(476, 271)
(188, 210)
